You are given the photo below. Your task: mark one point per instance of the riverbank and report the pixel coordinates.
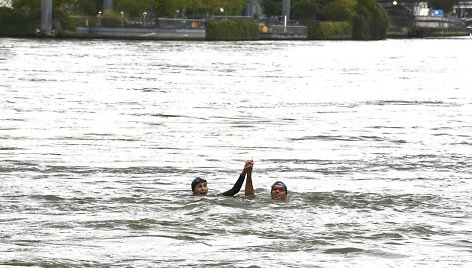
(139, 33)
(396, 32)
(192, 29)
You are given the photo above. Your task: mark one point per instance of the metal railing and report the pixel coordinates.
(168, 23)
(164, 23)
(102, 21)
(288, 30)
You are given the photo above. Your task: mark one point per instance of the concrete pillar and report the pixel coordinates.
(108, 6)
(286, 8)
(46, 17)
(252, 8)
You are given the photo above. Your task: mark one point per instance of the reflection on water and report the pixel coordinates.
(101, 139)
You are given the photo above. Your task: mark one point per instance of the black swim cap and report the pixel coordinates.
(281, 184)
(197, 181)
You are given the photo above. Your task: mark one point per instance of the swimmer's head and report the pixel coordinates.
(199, 186)
(278, 191)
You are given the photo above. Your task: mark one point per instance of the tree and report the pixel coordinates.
(370, 21)
(133, 8)
(339, 10)
(36, 4)
(272, 7)
(87, 7)
(304, 9)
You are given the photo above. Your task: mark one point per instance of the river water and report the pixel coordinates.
(100, 139)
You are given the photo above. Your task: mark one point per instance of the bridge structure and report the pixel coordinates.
(46, 17)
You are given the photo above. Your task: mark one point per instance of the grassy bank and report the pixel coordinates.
(330, 30)
(231, 30)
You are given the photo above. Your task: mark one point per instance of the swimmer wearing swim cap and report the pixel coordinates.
(200, 185)
(278, 191)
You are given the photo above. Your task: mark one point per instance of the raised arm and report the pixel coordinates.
(239, 183)
(249, 189)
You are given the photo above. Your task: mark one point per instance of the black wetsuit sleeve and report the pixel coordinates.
(237, 186)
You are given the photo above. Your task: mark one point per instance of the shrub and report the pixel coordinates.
(339, 10)
(18, 22)
(229, 30)
(63, 22)
(370, 21)
(330, 30)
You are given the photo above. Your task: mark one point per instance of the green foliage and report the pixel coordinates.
(180, 8)
(339, 10)
(63, 22)
(36, 4)
(330, 30)
(133, 8)
(229, 30)
(446, 5)
(299, 9)
(370, 21)
(87, 7)
(26, 4)
(24, 22)
(304, 9)
(18, 22)
(272, 7)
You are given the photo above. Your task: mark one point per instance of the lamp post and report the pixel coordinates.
(99, 16)
(144, 18)
(122, 15)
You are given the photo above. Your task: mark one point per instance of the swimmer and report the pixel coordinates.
(278, 189)
(200, 185)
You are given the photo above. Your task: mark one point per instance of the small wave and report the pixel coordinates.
(386, 235)
(339, 138)
(406, 102)
(10, 148)
(423, 230)
(354, 200)
(343, 250)
(141, 224)
(462, 143)
(177, 116)
(53, 263)
(53, 198)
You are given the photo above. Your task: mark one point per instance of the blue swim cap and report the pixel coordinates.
(197, 181)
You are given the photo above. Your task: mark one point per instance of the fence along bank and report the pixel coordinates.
(175, 28)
